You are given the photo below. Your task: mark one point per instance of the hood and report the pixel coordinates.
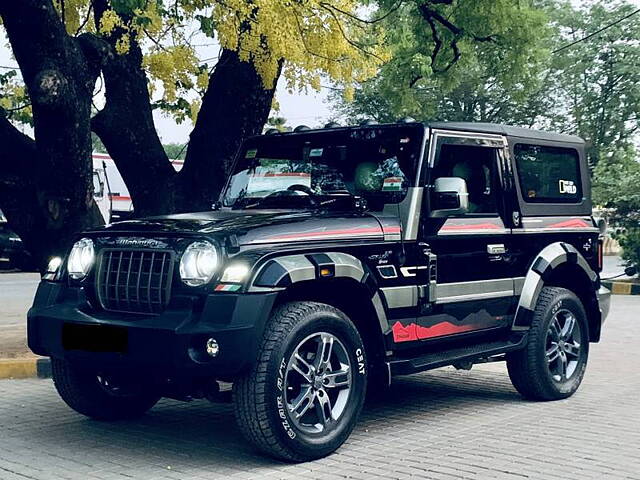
(263, 226)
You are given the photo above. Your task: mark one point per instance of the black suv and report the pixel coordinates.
(335, 259)
(12, 251)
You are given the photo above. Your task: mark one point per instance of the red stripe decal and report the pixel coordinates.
(573, 223)
(120, 197)
(477, 226)
(355, 231)
(392, 230)
(413, 332)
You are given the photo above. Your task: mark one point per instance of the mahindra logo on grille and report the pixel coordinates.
(140, 242)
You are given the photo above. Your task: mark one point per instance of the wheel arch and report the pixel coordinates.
(560, 265)
(349, 287)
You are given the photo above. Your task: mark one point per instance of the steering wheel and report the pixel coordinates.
(300, 188)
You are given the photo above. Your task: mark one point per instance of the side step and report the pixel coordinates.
(449, 357)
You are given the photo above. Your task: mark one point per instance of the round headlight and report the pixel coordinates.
(198, 264)
(81, 259)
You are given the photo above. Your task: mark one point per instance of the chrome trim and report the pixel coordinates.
(496, 249)
(413, 213)
(390, 275)
(412, 271)
(401, 297)
(461, 134)
(477, 290)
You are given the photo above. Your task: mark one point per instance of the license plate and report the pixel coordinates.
(94, 338)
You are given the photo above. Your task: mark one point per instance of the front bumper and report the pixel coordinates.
(62, 324)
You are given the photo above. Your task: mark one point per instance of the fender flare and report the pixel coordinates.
(278, 273)
(550, 258)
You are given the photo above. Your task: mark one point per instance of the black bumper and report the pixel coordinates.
(62, 324)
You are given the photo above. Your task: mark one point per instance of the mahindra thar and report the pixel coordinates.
(335, 259)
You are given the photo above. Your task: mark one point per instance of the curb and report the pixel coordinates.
(25, 368)
(622, 288)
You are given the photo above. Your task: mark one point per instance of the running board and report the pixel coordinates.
(449, 357)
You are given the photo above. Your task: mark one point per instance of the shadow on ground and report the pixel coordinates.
(200, 434)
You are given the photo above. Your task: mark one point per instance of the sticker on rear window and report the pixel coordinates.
(316, 152)
(568, 187)
(251, 153)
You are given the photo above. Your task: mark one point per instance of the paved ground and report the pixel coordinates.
(16, 294)
(443, 425)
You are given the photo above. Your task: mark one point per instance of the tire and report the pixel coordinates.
(263, 397)
(553, 364)
(91, 395)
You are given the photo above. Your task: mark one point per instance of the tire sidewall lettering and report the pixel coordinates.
(358, 357)
(280, 402)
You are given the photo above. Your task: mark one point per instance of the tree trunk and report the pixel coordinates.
(60, 84)
(235, 106)
(126, 128)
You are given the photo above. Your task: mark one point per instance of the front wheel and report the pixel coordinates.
(302, 398)
(100, 396)
(553, 363)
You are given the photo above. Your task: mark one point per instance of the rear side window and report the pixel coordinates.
(548, 174)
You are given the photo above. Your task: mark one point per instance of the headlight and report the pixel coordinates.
(198, 264)
(81, 259)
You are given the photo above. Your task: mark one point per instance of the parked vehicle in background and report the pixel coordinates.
(110, 192)
(338, 258)
(12, 251)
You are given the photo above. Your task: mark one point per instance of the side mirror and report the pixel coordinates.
(450, 197)
(630, 271)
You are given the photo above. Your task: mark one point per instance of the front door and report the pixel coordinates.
(466, 278)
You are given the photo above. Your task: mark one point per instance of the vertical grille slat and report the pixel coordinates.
(134, 281)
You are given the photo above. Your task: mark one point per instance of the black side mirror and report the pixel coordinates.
(631, 271)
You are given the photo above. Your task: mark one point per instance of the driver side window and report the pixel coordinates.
(477, 167)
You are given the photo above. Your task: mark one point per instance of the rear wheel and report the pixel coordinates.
(302, 398)
(100, 396)
(553, 363)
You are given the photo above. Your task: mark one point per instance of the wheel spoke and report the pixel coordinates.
(308, 397)
(555, 329)
(323, 354)
(569, 325)
(303, 367)
(553, 352)
(323, 407)
(563, 366)
(572, 349)
(338, 379)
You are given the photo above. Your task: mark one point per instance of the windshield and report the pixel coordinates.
(375, 163)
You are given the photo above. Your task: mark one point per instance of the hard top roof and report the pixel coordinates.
(478, 127)
(507, 130)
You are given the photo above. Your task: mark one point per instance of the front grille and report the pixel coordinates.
(134, 281)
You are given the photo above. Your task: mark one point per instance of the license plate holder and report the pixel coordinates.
(95, 338)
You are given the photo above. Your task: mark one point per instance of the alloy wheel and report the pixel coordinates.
(317, 382)
(563, 345)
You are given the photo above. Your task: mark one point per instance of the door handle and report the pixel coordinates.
(496, 249)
